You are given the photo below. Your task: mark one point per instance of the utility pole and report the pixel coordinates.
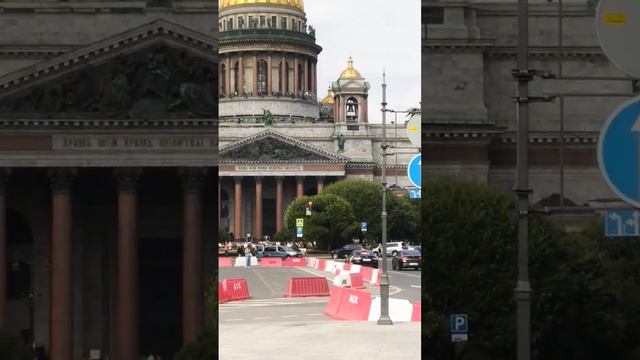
(384, 281)
(522, 290)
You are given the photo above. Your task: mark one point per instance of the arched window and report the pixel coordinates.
(352, 109)
(240, 22)
(236, 77)
(223, 80)
(230, 23)
(262, 77)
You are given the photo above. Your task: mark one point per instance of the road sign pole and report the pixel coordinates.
(522, 290)
(384, 281)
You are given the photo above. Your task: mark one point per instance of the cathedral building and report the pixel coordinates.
(278, 141)
(107, 144)
(468, 54)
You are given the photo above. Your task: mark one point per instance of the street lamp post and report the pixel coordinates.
(384, 281)
(522, 290)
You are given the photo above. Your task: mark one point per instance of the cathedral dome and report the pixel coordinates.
(298, 4)
(328, 100)
(350, 72)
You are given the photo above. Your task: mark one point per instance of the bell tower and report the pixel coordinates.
(350, 96)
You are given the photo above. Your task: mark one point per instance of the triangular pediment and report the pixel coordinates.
(157, 70)
(271, 146)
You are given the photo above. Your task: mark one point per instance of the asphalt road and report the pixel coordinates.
(267, 286)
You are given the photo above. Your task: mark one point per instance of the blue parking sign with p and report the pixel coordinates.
(459, 324)
(363, 226)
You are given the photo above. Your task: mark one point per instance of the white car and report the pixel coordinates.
(393, 248)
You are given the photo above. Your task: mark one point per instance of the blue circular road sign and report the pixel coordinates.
(414, 170)
(619, 151)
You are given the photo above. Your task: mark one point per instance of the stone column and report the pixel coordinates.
(126, 322)
(279, 180)
(314, 86)
(258, 226)
(283, 76)
(320, 180)
(241, 76)
(61, 331)
(4, 174)
(305, 76)
(229, 90)
(255, 75)
(299, 186)
(237, 208)
(219, 201)
(192, 265)
(269, 76)
(295, 76)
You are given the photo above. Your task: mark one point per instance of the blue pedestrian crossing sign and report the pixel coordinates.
(619, 152)
(363, 226)
(414, 170)
(622, 223)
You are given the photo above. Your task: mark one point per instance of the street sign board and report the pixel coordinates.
(307, 212)
(414, 170)
(299, 232)
(619, 152)
(414, 130)
(459, 337)
(622, 223)
(415, 193)
(363, 226)
(617, 26)
(300, 222)
(458, 324)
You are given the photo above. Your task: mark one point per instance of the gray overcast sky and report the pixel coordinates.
(377, 34)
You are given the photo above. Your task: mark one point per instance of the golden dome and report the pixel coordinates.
(328, 100)
(293, 3)
(350, 72)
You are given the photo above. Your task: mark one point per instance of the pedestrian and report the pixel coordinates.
(247, 254)
(227, 247)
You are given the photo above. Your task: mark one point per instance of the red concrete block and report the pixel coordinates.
(271, 262)
(236, 289)
(334, 302)
(356, 281)
(224, 262)
(366, 273)
(354, 305)
(307, 286)
(222, 295)
(321, 264)
(291, 261)
(416, 314)
(347, 267)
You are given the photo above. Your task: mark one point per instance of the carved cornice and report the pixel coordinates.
(325, 157)
(196, 41)
(35, 124)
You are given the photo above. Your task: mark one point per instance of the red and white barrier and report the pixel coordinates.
(348, 304)
(225, 262)
(354, 268)
(399, 310)
(311, 262)
(356, 280)
(242, 261)
(416, 315)
(294, 261)
(342, 279)
(222, 295)
(307, 286)
(271, 262)
(235, 289)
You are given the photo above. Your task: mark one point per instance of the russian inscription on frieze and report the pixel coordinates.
(131, 142)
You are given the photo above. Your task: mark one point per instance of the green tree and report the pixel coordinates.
(470, 266)
(331, 224)
(365, 197)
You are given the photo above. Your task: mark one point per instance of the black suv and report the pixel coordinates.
(345, 251)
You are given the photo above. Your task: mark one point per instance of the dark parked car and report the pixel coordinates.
(280, 251)
(405, 259)
(363, 257)
(345, 251)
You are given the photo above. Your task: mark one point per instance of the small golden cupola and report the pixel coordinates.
(328, 100)
(350, 72)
